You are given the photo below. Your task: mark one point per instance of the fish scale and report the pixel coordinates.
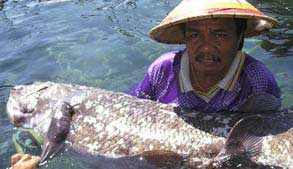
(148, 127)
(278, 150)
(117, 125)
(277, 146)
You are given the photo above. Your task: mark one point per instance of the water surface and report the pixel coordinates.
(105, 43)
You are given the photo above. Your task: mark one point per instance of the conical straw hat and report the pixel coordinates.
(170, 29)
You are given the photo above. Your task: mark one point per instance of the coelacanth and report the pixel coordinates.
(102, 124)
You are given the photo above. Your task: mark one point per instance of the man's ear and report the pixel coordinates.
(240, 41)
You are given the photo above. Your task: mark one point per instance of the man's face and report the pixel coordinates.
(211, 45)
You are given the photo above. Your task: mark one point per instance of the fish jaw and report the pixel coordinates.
(23, 108)
(32, 120)
(33, 106)
(18, 114)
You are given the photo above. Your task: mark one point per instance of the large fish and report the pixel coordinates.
(101, 123)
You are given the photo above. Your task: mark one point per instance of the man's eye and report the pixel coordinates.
(220, 35)
(191, 35)
(194, 35)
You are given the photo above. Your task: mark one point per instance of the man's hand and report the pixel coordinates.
(19, 161)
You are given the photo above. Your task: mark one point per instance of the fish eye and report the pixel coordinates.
(25, 110)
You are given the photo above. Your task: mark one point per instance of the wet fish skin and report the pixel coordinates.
(102, 110)
(111, 124)
(277, 145)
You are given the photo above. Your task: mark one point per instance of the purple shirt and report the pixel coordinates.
(161, 83)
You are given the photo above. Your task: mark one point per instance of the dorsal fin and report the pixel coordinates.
(244, 139)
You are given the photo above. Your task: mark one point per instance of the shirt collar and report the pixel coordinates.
(227, 83)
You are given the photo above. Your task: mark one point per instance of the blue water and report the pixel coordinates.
(105, 43)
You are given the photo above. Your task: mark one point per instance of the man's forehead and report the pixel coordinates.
(224, 22)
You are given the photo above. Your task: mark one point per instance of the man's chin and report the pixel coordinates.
(212, 71)
(213, 68)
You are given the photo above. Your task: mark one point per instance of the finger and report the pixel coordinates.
(25, 157)
(33, 163)
(15, 158)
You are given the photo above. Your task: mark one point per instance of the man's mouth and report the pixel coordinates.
(207, 59)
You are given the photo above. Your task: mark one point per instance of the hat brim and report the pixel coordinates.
(170, 30)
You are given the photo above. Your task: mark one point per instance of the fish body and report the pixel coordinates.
(108, 123)
(116, 125)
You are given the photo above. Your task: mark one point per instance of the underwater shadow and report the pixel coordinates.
(145, 160)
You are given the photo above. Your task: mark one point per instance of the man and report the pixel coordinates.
(212, 74)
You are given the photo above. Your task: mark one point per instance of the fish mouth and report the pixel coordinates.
(22, 121)
(17, 120)
(19, 116)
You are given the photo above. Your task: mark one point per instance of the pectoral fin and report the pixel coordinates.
(50, 149)
(57, 133)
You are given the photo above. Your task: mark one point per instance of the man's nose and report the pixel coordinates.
(205, 46)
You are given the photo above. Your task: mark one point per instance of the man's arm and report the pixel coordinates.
(265, 94)
(144, 89)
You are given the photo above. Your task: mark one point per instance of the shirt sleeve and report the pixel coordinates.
(144, 89)
(262, 80)
(157, 82)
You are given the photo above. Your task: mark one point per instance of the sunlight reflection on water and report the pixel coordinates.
(105, 44)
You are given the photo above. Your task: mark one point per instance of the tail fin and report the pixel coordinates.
(244, 140)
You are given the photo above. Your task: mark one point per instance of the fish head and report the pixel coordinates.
(28, 107)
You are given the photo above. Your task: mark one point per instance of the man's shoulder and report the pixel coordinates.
(260, 78)
(255, 68)
(167, 59)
